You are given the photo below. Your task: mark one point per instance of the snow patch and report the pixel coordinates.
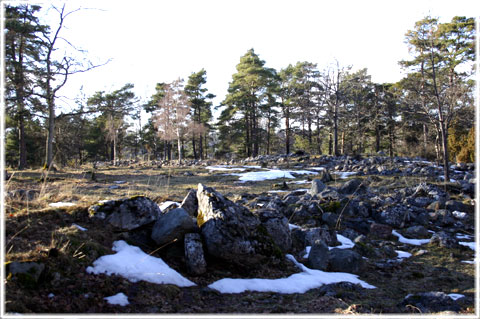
(224, 168)
(118, 299)
(79, 227)
(403, 254)
(404, 240)
(296, 283)
(61, 204)
(470, 245)
(456, 296)
(167, 204)
(132, 263)
(344, 175)
(459, 215)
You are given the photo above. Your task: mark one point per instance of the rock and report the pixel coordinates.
(394, 216)
(442, 239)
(324, 176)
(320, 233)
(317, 186)
(194, 257)
(352, 186)
(27, 273)
(442, 217)
(190, 203)
(436, 205)
(329, 194)
(345, 260)
(126, 214)
(277, 227)
(417, 232)
(380, 231)
(453, 205)
(330, 219)
(429, 302)
(231, 232)
(172, 225)
(318, 257)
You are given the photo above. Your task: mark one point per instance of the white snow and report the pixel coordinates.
(293, 226)
(118, 299)
(167, 204)
(132, 263)
(296, 283)
(51, 295)
(224, 168)
(344, 175)
(317, 168)
(463, 236)
(278, 191)
(403, 254)
(61, 204)
(79, 227)
(468, 261)
(459, 215)
(119, 182)
(269, 174)
(299, 182)
(456, 296)
(470, 245)
(345, 242)
(252, 166)
(404, 240)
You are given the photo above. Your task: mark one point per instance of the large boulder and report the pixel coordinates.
(277, 227)
(317, 186)
(194, 257)
(345, 260)
(126, 214)
(433, 301)
(354, 185)
(172, 225)
(318, 256)
(231, 232)
(190, 203)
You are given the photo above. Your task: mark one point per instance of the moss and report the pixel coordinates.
(331, 207)
(266, 238)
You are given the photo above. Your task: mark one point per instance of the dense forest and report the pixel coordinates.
(302, 107)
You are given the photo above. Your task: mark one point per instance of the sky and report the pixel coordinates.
(159, 41)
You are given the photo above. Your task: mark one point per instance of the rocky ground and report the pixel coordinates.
(392, 222)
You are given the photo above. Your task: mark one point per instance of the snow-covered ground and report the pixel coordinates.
(269, 175)
(296, 283)
(61, 204)
(345, 243)
(404, 240)
(132, 263)
(224, 168)
(167, 204)
(119, 299)
(344, 175)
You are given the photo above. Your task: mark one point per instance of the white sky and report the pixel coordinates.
(159, 41)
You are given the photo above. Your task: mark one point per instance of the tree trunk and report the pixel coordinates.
(287, 131)
(444, 136)
(377, 138)
(22, 163)
(425, 139)
(335, 130)
(193, 146)
(50, 133)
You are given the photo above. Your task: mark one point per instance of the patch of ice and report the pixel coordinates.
(224, 168)
(307, 251)
(132, 263)
(459, 215)
(404, 240)
(456, 296)
(118, 299)
(296, 283)
(470, 245)
(344, 175)
(263, 175)
(167, 204)
(51, 295)
(468, 261)
(61, 204)
(403, 254)
(252, 166)
(304, 172)
(119, 182)
(79, 227)
(277, 191)
(318, 168)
